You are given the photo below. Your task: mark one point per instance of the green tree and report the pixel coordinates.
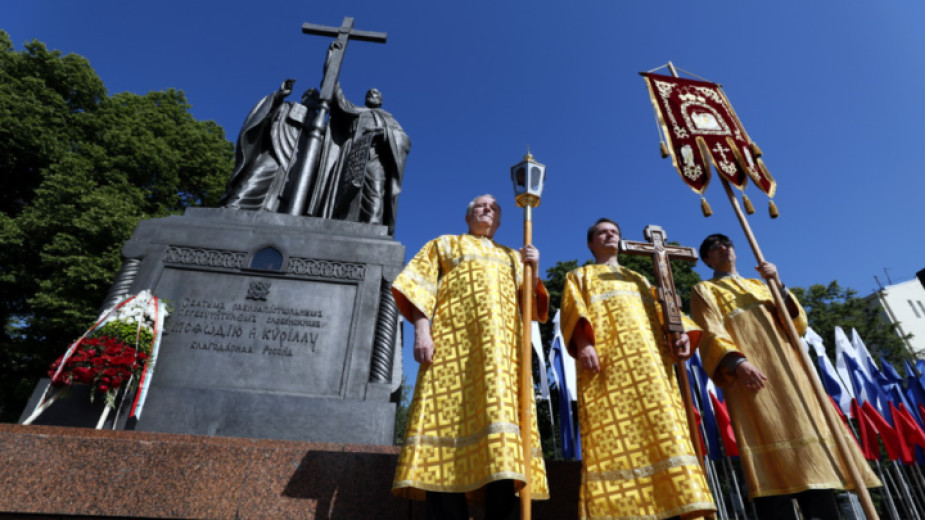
(80, 170)
(403, 395)
(828, 306)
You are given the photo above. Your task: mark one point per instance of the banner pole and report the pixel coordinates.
(838, 430)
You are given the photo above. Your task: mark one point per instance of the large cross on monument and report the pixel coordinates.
(298, 197)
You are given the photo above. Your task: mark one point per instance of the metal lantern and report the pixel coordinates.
(528, 177)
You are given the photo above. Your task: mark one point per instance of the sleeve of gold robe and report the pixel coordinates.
(715, 342)
(416, 284)
(540, 294)
(574, 308)
(760, 290)
(692, 330)
(540, 303)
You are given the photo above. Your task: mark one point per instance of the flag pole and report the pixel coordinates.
(831, 420)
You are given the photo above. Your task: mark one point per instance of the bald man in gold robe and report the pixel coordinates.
(463, 435)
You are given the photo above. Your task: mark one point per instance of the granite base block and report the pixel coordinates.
(232, 413)
(53, 472)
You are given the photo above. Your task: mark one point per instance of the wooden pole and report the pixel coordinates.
(835, 425)
(526, 370)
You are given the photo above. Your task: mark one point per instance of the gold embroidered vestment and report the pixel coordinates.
(638, 462)
(784, 441)
(463, 426)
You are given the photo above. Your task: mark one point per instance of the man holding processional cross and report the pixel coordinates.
(638, 458)
(787, 450)
(463, 436)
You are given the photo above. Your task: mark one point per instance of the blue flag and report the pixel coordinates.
(568, 424)
(698, 381)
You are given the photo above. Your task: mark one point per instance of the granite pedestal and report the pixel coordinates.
(281, 327)
(52, 472)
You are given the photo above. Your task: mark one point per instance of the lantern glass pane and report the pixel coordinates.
(520, 183)
(535, 178)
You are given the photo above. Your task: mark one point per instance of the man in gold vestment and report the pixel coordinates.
(638, 460)
(787, 450)
(461, 293)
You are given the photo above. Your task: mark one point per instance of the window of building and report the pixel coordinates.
(916, 311)
(921, 306)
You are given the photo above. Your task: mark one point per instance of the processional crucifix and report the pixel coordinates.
(668, 297)
(298, 196)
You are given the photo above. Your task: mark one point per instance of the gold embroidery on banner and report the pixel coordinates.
(664, 90)
(433, 440)
(644, 471)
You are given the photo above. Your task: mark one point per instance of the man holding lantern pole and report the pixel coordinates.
(463, 434)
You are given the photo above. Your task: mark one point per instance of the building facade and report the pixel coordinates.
(904, 304)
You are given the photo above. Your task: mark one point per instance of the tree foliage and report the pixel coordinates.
(828, 306)
(80, 170)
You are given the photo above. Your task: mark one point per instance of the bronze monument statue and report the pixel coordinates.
(362, 164)
(266, 148)
(292, 158)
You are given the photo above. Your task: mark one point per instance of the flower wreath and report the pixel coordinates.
(115, 357)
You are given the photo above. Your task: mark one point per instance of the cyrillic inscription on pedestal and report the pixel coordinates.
(224, 326)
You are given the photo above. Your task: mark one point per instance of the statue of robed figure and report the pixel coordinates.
(362, 163)
(292, 158)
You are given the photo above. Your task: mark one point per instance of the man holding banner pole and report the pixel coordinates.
(787, 450)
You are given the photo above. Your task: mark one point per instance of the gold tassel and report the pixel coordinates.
(748, 204)
(772, 209)
(705, 207)
(755, 150)
(663, 149)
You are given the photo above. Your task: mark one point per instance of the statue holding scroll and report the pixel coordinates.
(267, 147)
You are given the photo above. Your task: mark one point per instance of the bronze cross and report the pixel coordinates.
(343, 33)
(301, 179)
(661, 253)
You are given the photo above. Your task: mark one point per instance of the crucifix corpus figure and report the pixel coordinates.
(610, 323)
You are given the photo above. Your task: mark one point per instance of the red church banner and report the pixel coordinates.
(702, 129)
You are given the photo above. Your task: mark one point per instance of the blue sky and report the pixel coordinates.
(831, 92)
